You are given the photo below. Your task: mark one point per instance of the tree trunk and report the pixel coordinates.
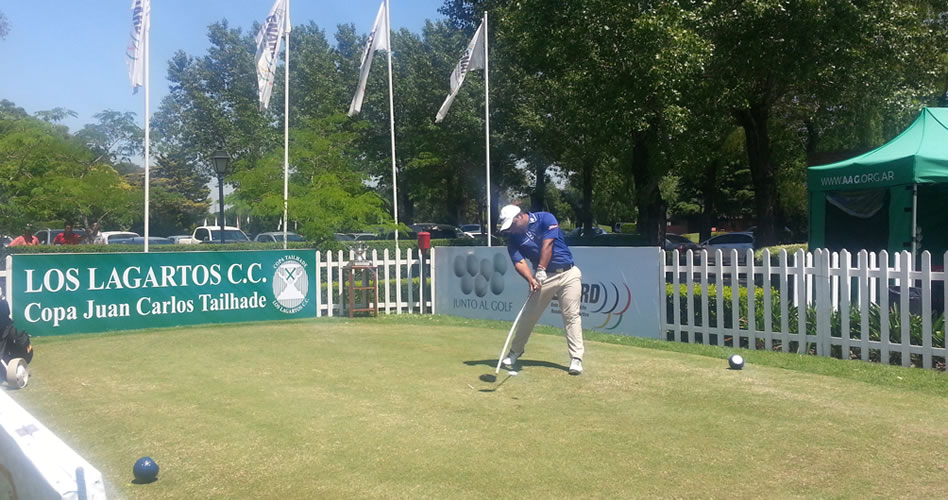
(494, 212)
(653, 211)
(586, 215)
(707, 208)
(407, 212)
(753, 120)
(538, 197)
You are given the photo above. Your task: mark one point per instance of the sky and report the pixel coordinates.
(71, 54)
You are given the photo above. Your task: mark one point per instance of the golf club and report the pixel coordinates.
(510, 335)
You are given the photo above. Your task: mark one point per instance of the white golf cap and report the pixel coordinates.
(507, 215)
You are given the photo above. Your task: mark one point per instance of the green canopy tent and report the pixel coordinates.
(881, 199)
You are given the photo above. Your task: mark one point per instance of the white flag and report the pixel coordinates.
(472, 59)
(141, 14)
(378, 39)
(268, 48)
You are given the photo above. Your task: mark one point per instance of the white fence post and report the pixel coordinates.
(398, 281)
(865, 298)
(329, 284)
(319, 285)
(434, 276)
(719, 294)
(883, 285)
(705, 317)
(676, 303)
(735, 301)
(768, 306)
(751, 302)
(845, 294)
(690, 304)
(926, 310)
(820, 287)
(388, 282)
(411, 286)
(785, 299)
(799, 259)
(905, 287)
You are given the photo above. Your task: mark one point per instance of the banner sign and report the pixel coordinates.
(621, 287)
(73, 293)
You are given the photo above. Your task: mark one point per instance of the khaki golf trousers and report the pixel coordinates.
(567, 288)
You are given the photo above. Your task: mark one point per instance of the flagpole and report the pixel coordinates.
(487, 130)
(391, 118)
(147, 128)
(286, 126)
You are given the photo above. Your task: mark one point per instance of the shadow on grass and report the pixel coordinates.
(520, 363)
(144, 481)
(494, 388)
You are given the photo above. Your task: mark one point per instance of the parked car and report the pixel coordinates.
(109, 237)
(46, 236)
(277, 236)
(680, 243)
(471, 229)
(212, 234)
(365, 236)
(438, 231)
(343, 237)
(740, 241)
(176, 239)
(596, 231)
(140, 240)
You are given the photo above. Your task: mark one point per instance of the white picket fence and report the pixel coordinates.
(826, 284)
(397, 289)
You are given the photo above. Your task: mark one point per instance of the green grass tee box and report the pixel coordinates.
(394, 408)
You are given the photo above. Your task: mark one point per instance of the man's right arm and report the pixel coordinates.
(524, 270)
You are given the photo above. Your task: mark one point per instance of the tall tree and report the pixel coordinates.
(327, 192)
(771, 55)
(48, 175)
(115, 137)
(611, 78)
(212, 103)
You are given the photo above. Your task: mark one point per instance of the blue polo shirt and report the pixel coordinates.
(542, 226)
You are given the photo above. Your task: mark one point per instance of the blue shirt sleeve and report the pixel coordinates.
(513, 251)
(549, 226)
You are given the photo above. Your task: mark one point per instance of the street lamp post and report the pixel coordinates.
(221, 161)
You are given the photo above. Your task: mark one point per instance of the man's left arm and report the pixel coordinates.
(550, 228)
(546, 254)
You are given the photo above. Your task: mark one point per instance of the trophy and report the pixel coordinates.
(360, 255)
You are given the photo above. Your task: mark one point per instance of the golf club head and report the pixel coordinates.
(488, 377)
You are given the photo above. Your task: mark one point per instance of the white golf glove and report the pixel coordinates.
(540, 275)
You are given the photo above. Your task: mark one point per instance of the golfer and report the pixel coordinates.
(537, 237)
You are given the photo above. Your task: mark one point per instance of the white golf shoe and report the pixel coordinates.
(511, 359)
(576, 366)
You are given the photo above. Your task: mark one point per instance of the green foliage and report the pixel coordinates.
(328, 191)
(212, 104)
(775, 251)
(727, 306)
(47, 174)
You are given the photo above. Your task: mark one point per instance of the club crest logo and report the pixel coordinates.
(290, 284)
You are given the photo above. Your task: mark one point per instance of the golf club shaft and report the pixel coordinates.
(510, 335)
